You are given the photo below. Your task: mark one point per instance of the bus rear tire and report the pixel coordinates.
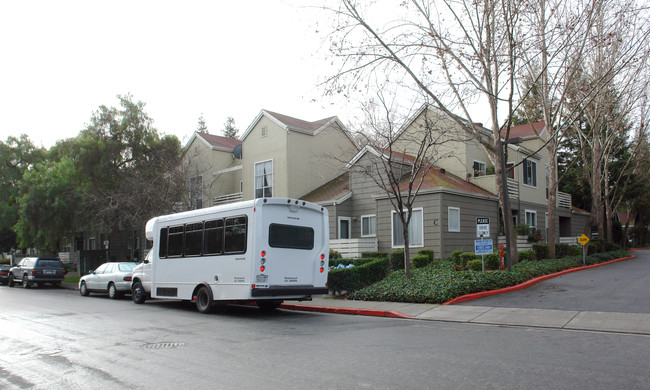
(204, 299)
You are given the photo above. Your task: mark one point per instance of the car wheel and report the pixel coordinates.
(112, 291)
(25, 282)
(83, 289)
(137, 293)
(203, 299)
(10, 282)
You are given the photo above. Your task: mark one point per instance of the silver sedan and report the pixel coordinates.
(112, 278)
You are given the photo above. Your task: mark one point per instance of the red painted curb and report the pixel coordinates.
(528, 283)
(345, 310)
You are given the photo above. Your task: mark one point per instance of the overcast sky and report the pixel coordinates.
(62, 59)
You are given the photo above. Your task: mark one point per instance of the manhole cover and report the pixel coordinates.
(163, 345)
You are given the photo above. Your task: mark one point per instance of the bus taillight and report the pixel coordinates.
(262, 268)
(263, 253)
(322, 269)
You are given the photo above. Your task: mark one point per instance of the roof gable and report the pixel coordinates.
(527, 130)
(214, 142)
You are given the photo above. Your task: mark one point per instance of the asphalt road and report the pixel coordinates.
(56, 339)
(622, 287)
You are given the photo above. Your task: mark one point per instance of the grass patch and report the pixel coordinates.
(72, 279)
(439, 282)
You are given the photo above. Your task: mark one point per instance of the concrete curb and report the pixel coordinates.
(528, 283)
(342, 310)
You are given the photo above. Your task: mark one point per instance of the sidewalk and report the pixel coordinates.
(633, 323)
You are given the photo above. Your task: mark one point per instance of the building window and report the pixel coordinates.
(344, 228)
(416, 229)
(264, 179)
(530, 172)
(368, 226)
(196, 192)
(453, 219)
(264, 131)
(479, 168)
(531, 218)
(510, 170)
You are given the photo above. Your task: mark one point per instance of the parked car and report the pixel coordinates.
(37, 270)
(112, 278)
(4, 273)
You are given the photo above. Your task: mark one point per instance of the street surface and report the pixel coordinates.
(55, 339)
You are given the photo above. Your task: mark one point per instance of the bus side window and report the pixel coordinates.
(162, 248)
(213, 237)
(193, 239)
(175, 241)
(235, 235)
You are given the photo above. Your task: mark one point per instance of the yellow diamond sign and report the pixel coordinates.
(583, 240)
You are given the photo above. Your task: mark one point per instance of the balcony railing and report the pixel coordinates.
(352, 248)
(563, 200)
(228, 198)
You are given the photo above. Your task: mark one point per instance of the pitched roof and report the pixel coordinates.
(214, 142)
(220, 142)
(527, 130)
(299, 124)
(334, 190)
(439, 178)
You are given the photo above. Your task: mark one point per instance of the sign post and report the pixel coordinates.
(583, 240)
(482, 230)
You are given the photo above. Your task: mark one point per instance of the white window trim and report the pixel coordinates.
(526, 212)
(272, 176)
(523, 176)
(449, 229)
(338, 227)
(361, 227)
(484, 171)
(421, 227)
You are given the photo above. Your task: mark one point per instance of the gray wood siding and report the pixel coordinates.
(364, 190)
(470, 209)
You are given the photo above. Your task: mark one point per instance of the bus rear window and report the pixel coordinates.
(289, 236)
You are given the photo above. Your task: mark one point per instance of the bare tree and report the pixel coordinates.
(396, 167)
(453, 52)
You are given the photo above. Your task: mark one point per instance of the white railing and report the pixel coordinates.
(563, 200)
(229, 198)
(569, 240)
(352, 248)
(513, 188)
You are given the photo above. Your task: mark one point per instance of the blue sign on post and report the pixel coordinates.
(483, 247)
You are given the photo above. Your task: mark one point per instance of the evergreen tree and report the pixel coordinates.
(229, 128)
(202, 127)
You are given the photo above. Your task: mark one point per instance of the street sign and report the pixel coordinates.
(583, 240)
(483, 247)
(482, 227)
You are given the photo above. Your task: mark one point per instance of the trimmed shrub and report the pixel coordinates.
(397, 260)
(611, 246)
(541, 251)
(561, 250)
(455, 256)
(574, 250)
(355, 278)
(334, 254)
(5, 261)
(427, 252)
(526, 255)
(492, 261)
(460, 263)
(475, 265)
(420, 261)
(373, 255)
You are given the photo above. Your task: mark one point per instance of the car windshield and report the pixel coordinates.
(126, 266)
(49, 264)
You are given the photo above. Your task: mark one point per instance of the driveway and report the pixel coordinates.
(622, 287)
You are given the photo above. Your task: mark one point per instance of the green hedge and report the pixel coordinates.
(360, 276)
(526, 255)
(397, 260)
(373, 255)
(541, 251)
(346, 262)
(5, 261)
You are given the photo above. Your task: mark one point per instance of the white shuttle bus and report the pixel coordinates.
(263, 251)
